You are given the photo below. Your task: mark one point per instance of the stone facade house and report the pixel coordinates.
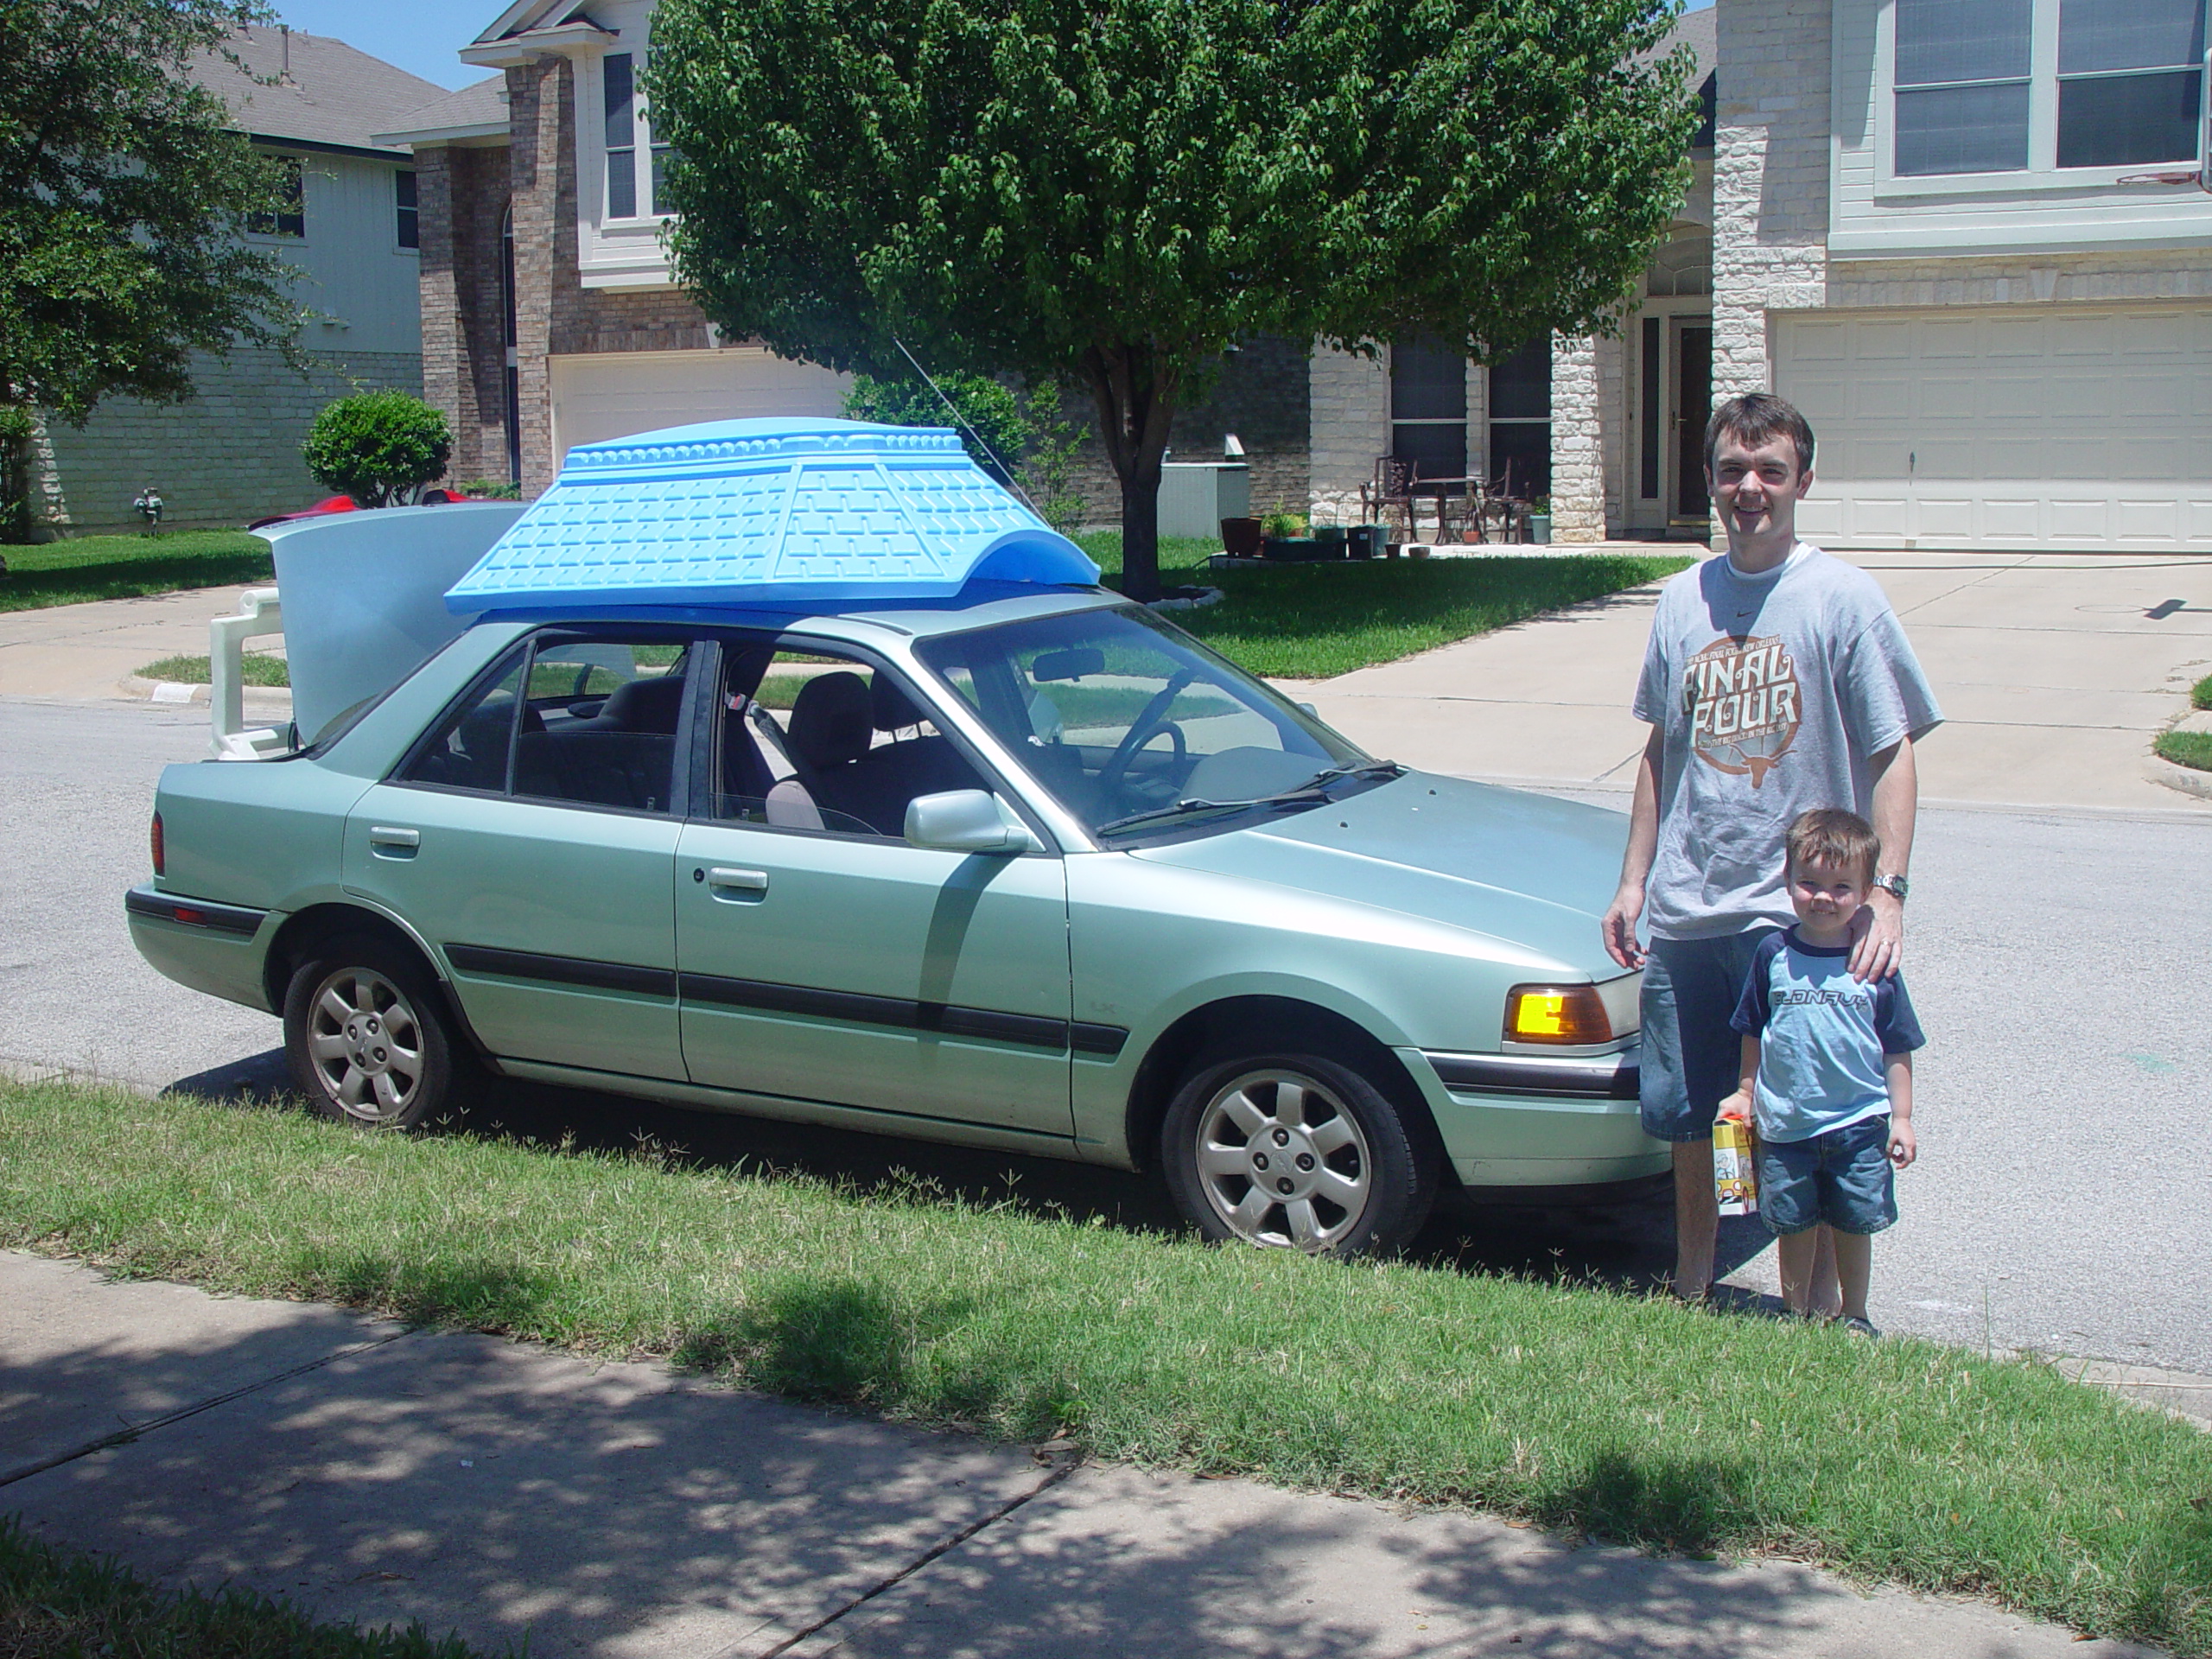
(1977, 257)
(550, 317)
(1980, 258)
(232, 454)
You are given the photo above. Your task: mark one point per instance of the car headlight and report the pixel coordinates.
(1570, 1016)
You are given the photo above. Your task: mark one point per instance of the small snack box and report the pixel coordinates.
(1735, 1177)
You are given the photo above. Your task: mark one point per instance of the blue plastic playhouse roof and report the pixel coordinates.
(777, 510)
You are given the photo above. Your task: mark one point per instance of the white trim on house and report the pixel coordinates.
(2044, 208)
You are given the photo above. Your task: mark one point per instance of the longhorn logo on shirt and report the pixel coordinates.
(1741, 697)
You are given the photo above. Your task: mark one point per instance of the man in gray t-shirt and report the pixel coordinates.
(1777, 680)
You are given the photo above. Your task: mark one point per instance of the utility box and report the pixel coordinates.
(1195, 496)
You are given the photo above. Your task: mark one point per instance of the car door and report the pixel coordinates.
(531, 838)
(822, 958)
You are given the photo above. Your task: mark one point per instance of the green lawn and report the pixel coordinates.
(62, 1604)
(2186, 749)
(255, 668)
(1583, 1409)
(125, 566)
(1310, 621)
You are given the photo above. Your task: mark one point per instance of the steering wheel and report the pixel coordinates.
(1151, 721)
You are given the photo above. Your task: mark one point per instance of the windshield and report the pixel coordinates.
(1138, 730)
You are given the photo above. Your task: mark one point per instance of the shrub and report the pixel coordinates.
(490, 489)
(381, 447)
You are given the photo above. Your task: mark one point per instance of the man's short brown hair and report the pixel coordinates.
(1759, 417)
(1841, 840)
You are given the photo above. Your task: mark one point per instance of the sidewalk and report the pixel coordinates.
(83, 652)
(2054, 672)
(382, 1475)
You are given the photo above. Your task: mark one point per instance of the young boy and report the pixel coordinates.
(1827, 1068)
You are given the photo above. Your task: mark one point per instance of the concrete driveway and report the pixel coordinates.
(2054, 672)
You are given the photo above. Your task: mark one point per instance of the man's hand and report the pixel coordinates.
(1877, 946)
(1903, 1146)
(1619, 926)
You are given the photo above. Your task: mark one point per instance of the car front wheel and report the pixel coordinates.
(366, 1036)
(1297, 1151)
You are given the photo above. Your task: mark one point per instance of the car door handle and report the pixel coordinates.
(738, 887)
(385, 841)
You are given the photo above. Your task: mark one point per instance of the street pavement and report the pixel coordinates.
(382, 1474)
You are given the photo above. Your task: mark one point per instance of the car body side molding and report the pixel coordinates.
(990, 1025)
(563, 970)
(193, 912)
(1599, 1077)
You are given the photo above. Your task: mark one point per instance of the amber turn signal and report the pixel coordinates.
(1556, 1014)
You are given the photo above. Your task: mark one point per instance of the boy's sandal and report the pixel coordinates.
(1862, 1327)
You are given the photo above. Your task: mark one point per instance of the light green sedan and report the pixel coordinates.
(1040, 874)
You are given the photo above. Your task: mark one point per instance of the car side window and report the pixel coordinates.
(470, 750)
(589, 720)
(817, 740)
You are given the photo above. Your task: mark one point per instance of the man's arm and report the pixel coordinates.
(1627, 908)
(1880, 949)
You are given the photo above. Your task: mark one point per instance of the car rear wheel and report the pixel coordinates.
(366, 1035)
(1296, 1152)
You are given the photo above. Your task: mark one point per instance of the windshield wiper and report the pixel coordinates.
(1176, 810)
(1315, 788)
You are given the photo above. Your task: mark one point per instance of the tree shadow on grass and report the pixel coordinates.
(135, 578)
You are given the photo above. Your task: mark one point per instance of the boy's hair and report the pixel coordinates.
(1759, 417)
(1830, 835)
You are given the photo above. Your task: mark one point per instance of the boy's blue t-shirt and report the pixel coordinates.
(1823, 1035)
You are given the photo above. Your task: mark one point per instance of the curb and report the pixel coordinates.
(259, 699)
(2186, 780)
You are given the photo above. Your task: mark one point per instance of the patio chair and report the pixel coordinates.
(1390, 491)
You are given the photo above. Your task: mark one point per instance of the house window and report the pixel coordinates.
(407, 220)
(290, 218)
(1521, 419)
(2130, 78)
(1428, 408)
(637, 166)
(1978, 88)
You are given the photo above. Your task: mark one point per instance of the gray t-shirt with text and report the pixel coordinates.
(1771, 690)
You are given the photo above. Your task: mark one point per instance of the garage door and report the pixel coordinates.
(2051, 427)
(612, 395)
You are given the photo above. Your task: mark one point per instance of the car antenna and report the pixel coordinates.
(1012, 483)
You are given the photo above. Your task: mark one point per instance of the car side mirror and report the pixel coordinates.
(967, 821)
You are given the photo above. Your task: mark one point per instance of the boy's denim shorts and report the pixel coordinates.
(1842, 1178)
(1692, 1056)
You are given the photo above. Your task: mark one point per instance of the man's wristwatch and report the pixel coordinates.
(1897, 885)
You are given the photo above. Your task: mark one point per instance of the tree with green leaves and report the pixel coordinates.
(1019, 437)
(381, 447)
(1114, 191)
(122, 190)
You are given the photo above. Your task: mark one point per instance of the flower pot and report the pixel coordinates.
(1366, 542)
(1291, 550)
(1333, 540)
(1540, 528)
(1239, 537)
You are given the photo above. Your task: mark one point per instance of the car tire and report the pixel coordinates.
(368, 1035)
(1295, 1151)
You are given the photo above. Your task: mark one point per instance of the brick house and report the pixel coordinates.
(232, 454)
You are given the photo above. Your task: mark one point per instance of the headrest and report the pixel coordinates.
(644, 705)
(891, 709)
(830, 722)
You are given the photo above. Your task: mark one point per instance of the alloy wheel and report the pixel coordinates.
(366, 1042)
(1283, 1162)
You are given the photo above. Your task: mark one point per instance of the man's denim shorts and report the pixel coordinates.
(1842, 1178)
(1692, 1056)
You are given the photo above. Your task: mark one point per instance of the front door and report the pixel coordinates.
(823, 958)
(1692, 391)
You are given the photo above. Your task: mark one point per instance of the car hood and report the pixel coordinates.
(1530, 871)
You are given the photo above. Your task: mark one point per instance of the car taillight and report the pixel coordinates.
(1568, 1014)
(160, 853)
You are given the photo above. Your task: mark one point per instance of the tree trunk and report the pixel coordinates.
(1136, 392)
(16, 479)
